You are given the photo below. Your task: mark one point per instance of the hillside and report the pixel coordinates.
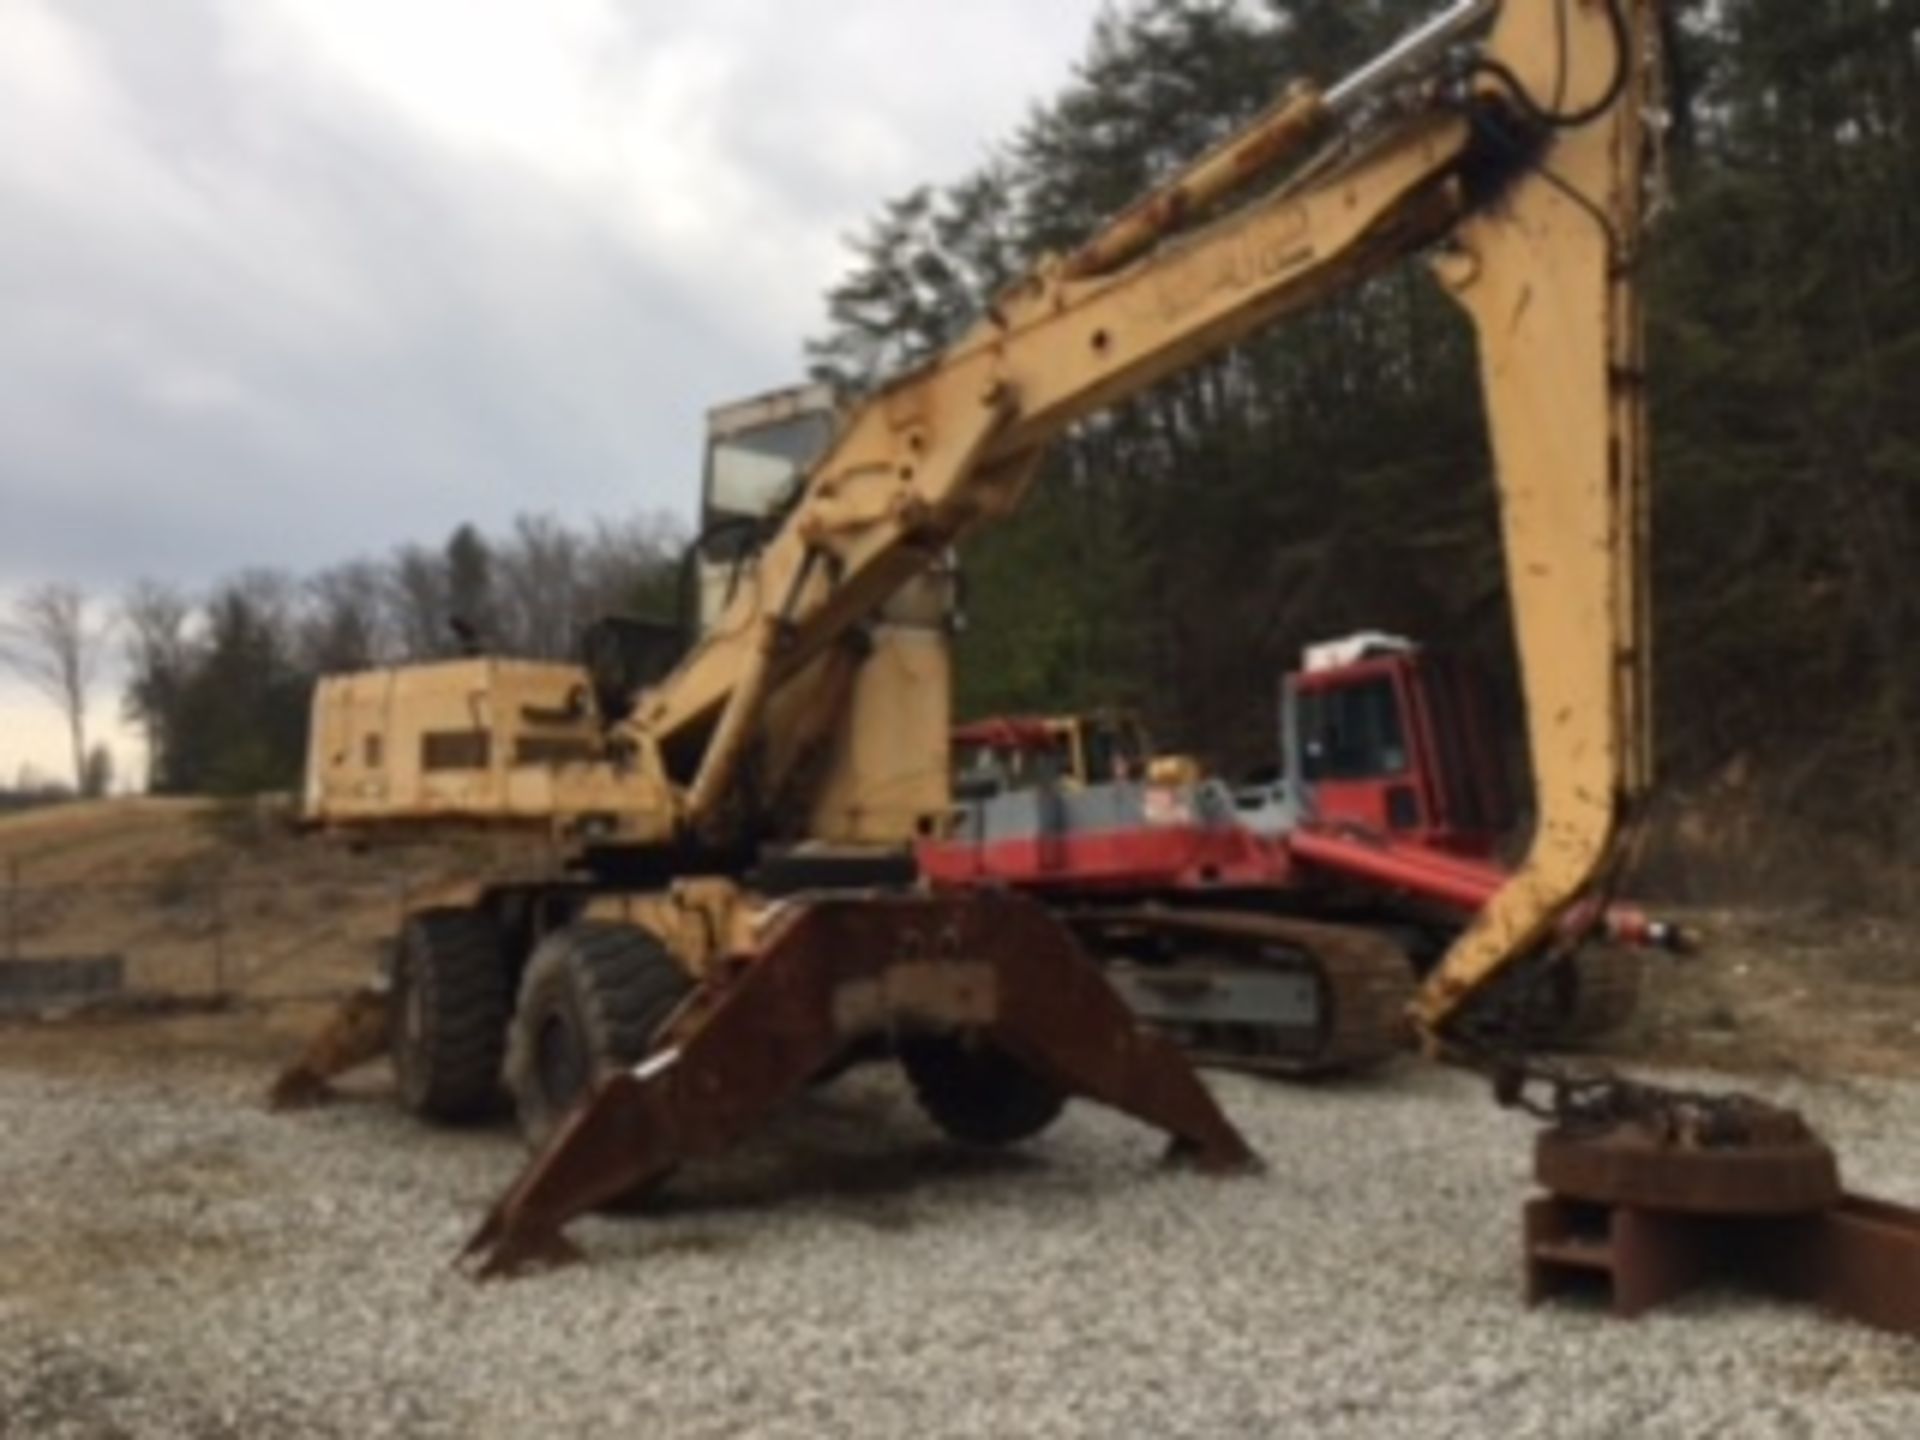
(192, 892)
(202, 897)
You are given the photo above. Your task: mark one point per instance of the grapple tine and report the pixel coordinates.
(610, 1144)
(1061, 1016)
(835, 971)
(354, 1034)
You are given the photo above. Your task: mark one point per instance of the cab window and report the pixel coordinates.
(1352, 732)
(753, 473)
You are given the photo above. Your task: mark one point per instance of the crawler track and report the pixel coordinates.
(1206, 990)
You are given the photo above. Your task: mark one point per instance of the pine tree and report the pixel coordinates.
(1331, 473)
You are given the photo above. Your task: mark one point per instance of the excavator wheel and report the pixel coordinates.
(448, 1018)
(592, 999)
(976, 1092)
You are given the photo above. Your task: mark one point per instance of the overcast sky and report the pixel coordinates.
(288, 281)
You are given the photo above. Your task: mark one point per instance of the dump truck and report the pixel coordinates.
(727, 907)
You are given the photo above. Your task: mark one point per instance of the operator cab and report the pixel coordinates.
(758, 454)
(1383, 737)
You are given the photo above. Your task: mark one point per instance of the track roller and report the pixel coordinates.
(1241, 990)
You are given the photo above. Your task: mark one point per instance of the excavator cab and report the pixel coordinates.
(758, 451)
(1386, 738)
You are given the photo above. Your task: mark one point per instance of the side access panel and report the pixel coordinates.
(484, 741)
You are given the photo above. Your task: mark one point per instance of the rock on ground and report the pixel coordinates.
(174, 1262)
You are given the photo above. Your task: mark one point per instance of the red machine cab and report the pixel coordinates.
(1395, 741)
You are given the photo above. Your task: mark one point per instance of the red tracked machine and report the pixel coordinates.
(1281, 925)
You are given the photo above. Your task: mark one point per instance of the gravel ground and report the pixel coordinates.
(173, 1262)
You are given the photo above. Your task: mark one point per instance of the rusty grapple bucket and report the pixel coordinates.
(1655, 1192)
(829, 974)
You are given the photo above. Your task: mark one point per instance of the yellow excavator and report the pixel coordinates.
(720, 907)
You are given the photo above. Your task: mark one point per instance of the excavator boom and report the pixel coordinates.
(1531, 218)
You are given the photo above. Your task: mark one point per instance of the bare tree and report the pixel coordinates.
(55, 646)
(417, 603)
(629, 567)
(534, 574)
(344, 621)
(159, 651)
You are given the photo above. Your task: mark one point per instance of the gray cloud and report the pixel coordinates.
(290, 280)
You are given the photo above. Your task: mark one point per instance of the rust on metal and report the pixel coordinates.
(949, 994)
(1634, 1166)
(767, 1025)
(355, 1033)
(1860, 1259)
(1727, 1191)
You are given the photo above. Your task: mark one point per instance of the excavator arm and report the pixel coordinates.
(1513, 164)
(1550, 277)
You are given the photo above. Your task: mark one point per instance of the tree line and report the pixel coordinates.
(1326, 476)
(219, 682)
(1331, 474)
(221, 687)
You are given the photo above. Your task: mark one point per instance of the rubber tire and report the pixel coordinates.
(976, 1092)
(600, 990)
(447, 1017)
